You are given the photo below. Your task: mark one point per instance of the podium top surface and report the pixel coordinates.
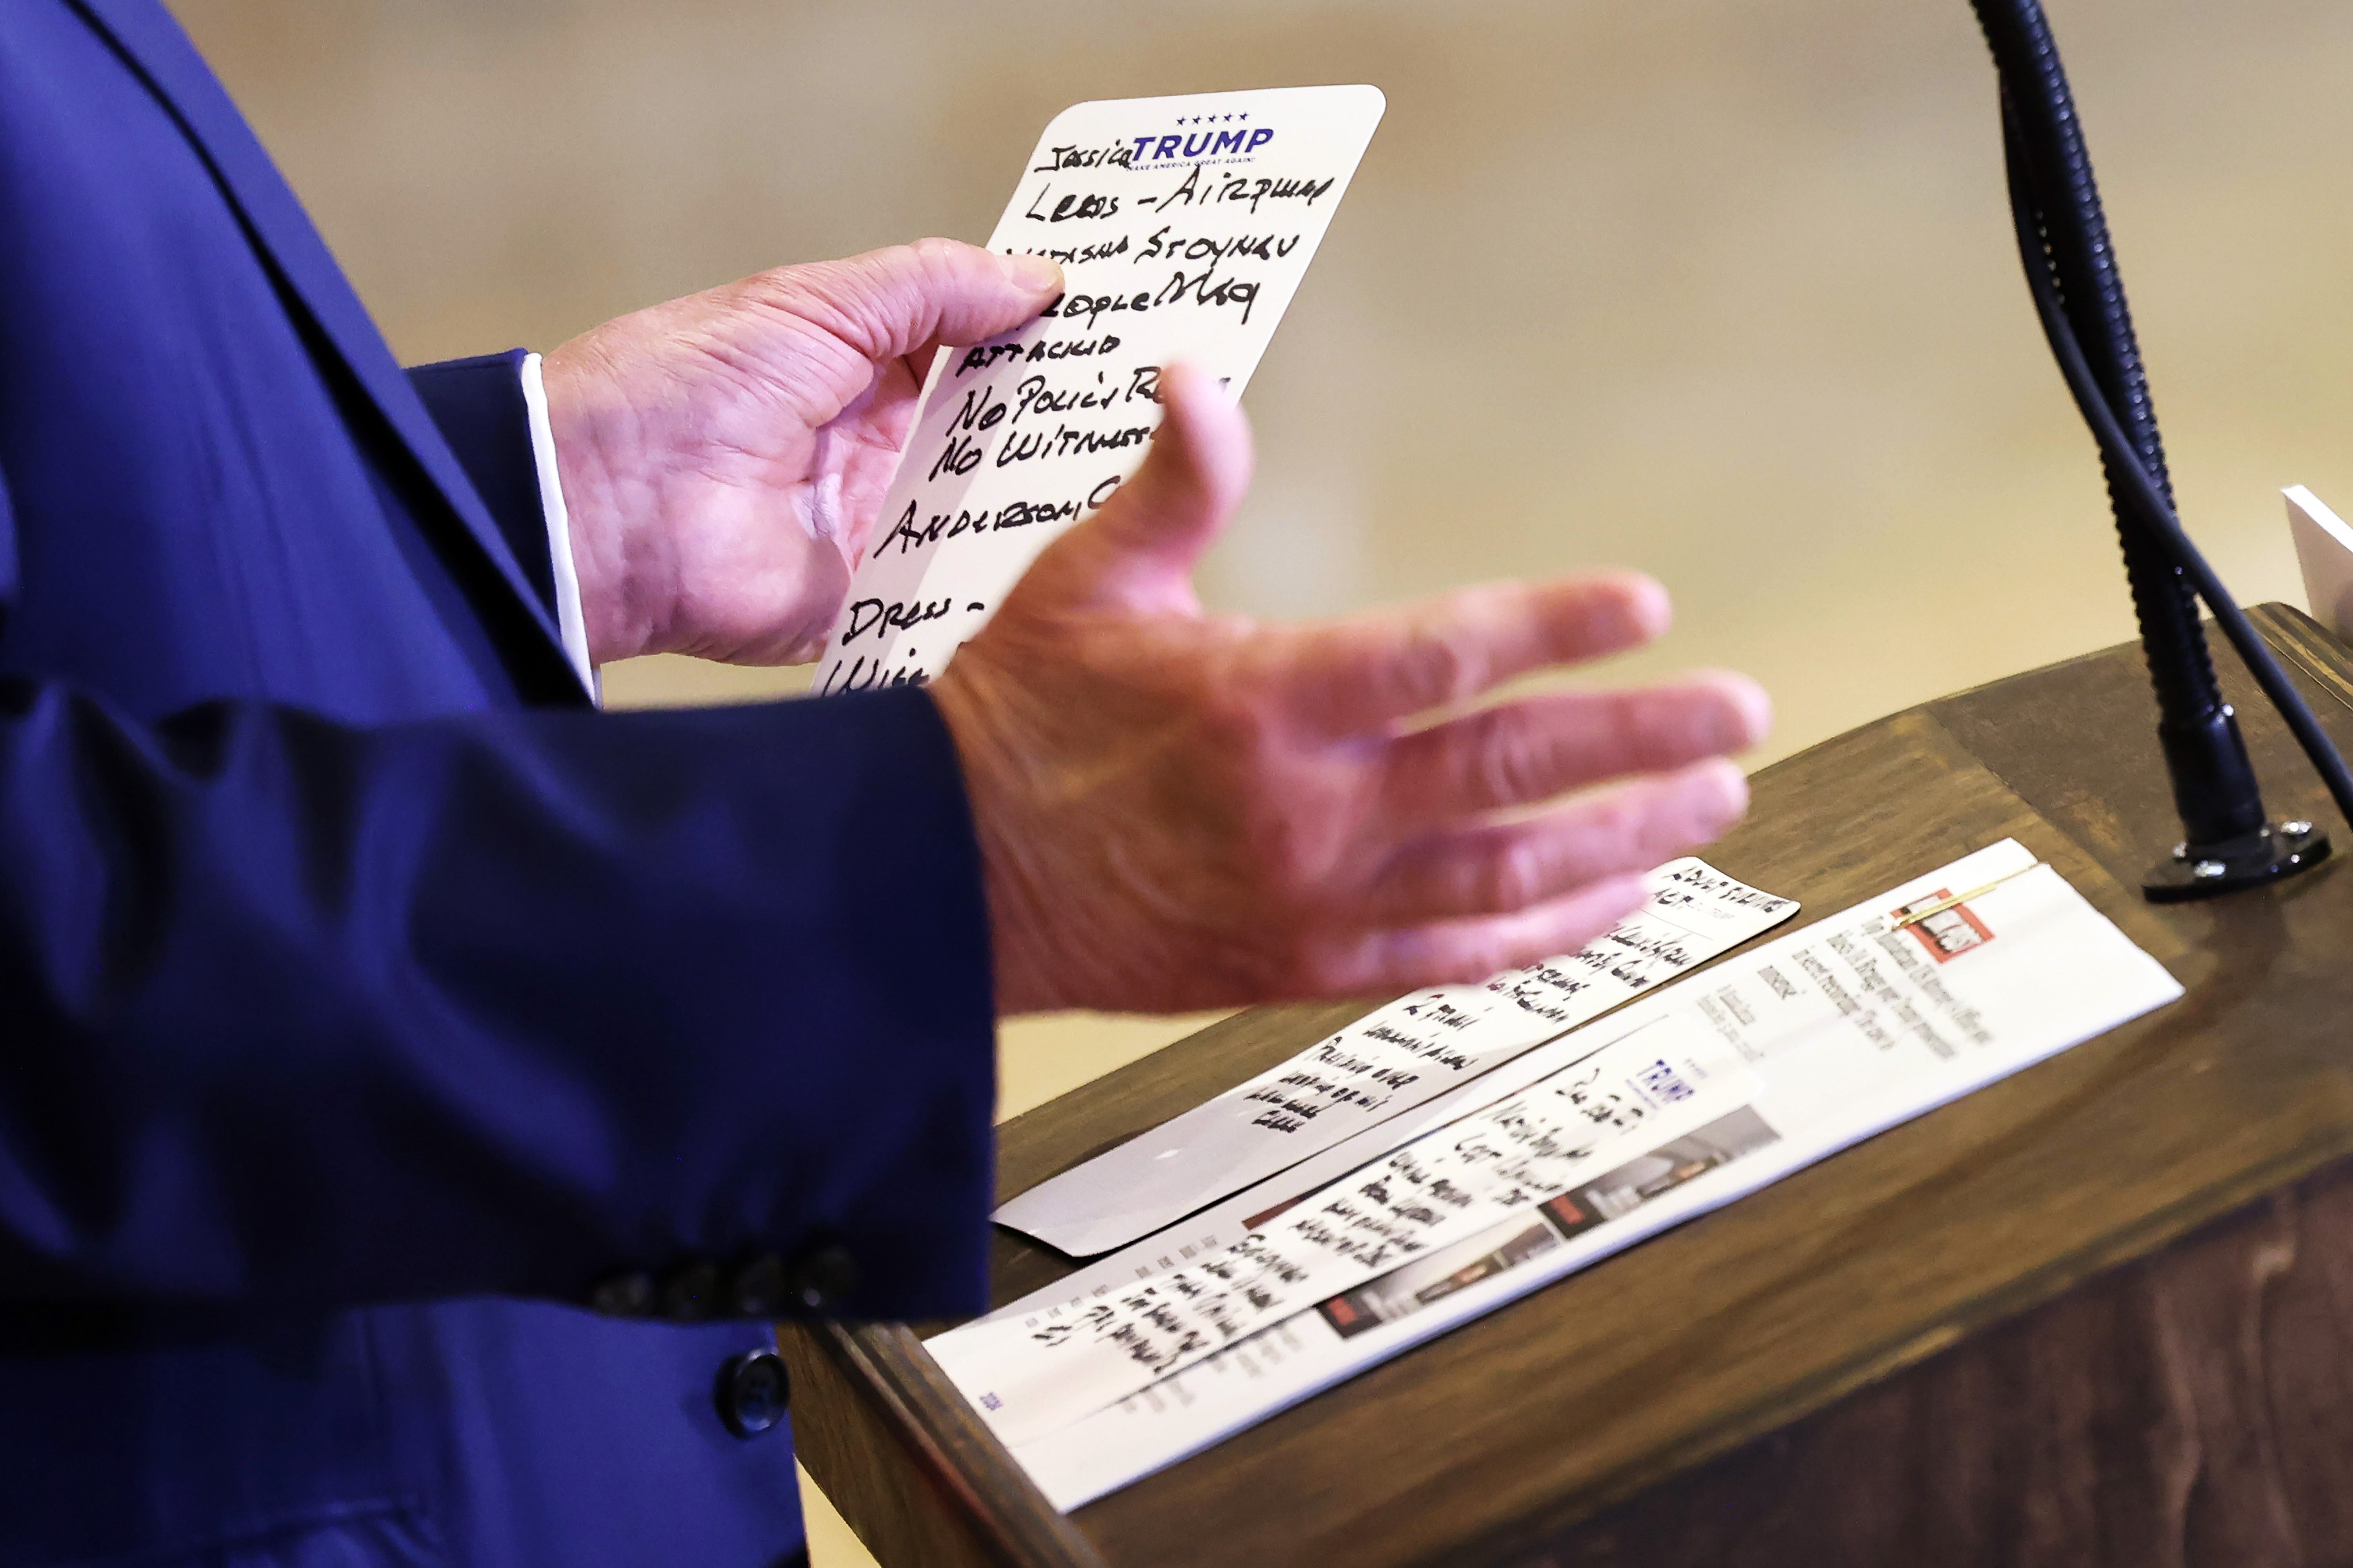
(1474, 1448)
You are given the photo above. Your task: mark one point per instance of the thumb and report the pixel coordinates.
(1140, 548)
(897, 301)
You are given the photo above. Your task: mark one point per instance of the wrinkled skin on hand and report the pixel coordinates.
(723, 456)
(1176, 810)
(1179, 810)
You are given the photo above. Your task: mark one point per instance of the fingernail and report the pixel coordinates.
(1757, 711)
(1628, 893)
(1648, 610)
(1731, 786)
(1037, 274)
(1745, 716)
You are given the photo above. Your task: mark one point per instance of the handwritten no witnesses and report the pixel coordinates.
(1184, 225)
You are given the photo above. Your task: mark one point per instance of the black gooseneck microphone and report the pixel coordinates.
(2070, 269)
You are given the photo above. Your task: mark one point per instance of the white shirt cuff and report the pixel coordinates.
(569, 621)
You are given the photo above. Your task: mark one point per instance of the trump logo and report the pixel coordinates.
(1210, 136)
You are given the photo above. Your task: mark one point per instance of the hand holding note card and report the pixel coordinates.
(1183, 226)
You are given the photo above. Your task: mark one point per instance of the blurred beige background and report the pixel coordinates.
(1718, 288)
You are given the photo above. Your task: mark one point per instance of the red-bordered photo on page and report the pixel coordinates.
(1948, 933)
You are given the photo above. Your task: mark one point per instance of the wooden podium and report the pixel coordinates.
(2101, 1312)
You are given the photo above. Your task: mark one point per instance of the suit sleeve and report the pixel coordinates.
(681, 1012)
(477, 406)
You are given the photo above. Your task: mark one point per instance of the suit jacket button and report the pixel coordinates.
(824, 1279)
(753, 1391)
(628, 1294)
(691, 1294)
(761, 1288)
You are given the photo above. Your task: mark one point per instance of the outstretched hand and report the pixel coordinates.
(1178, 810)
(723, 456)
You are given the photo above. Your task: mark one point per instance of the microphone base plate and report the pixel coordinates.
(2203, 870)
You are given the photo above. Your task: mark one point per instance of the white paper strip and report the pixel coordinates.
(1402, 1055)
(1033, 1376)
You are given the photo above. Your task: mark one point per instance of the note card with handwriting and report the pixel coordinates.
(1184, 226)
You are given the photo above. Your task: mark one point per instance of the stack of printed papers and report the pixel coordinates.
(1535, 1153)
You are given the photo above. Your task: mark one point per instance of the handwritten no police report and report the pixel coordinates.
(1184, 225)
(1677, 1103)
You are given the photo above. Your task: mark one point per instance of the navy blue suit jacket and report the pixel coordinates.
(368, 1003)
